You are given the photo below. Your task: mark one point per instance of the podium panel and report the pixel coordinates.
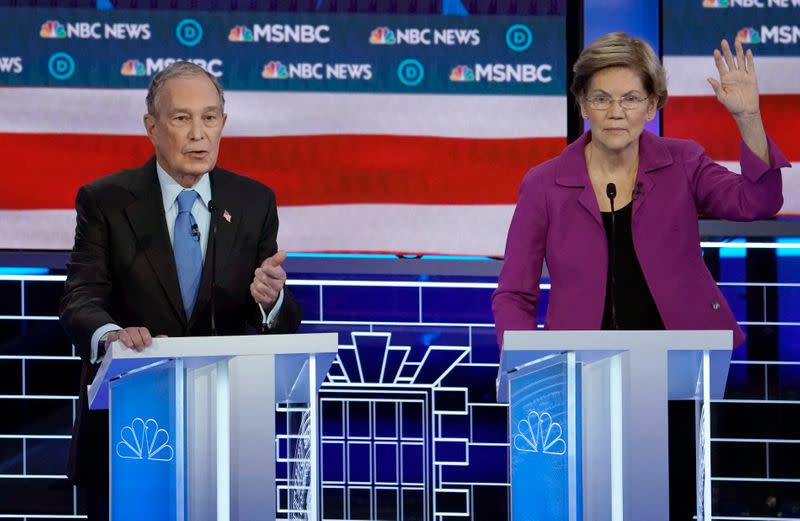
(601, 397)
(192, 426)
(146, 435)
(544, 396)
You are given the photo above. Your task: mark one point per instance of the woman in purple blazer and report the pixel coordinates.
(648, 248)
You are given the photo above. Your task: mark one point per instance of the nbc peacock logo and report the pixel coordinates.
(274, 70)
(462, 73)
(713, 4)
(144, 440)
(748, 35)
(52, 29)
(539, 433)
(133, 68)
(240, 33)
(382, 36)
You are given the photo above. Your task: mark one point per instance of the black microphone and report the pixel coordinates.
(195, 232)
(611, 192)
(212, 243)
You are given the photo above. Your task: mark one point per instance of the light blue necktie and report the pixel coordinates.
(186, 245)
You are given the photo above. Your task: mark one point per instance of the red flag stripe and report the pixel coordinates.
(705, 120)
(303, 170)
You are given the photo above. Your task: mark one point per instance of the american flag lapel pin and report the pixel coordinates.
(226, 215)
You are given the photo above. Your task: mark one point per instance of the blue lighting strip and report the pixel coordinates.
(341, 256)
(734, 248)
(732, 252)
(789, 252)
(737, 248)
(14, 270)
(386, 256)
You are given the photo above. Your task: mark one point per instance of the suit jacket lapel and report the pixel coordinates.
(225, 200)
(572, 172)
(653, 155)
(146, 216)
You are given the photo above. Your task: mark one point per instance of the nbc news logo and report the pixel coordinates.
(277, 70)
(53, 29)
(424, 36)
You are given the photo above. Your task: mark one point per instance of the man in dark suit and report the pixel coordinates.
(141, 264)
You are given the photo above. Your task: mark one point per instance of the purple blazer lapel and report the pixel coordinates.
(653, 156)
(572, 172)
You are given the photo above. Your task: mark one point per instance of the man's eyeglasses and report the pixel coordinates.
(630, 102)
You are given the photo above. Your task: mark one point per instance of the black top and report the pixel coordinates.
(635, 308)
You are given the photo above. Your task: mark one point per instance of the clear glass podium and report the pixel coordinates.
(588, 419)
(192, 426)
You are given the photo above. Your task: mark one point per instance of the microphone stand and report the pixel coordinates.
(611, 192)
(212, 243)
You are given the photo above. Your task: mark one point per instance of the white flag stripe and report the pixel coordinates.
(37, 229)
(791, 186)
(366, 227)
(447, 229)
(687, 75)
(120, 112)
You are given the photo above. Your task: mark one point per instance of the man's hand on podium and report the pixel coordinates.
(268, 281)
(133, 337)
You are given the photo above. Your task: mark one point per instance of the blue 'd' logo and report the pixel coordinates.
(61, 66)
(189, 32)
(519, 37)
(410, 72)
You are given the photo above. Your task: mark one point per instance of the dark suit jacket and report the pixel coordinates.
(122, 271)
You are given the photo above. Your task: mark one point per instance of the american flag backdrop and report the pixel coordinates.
(390, 168)
(692, 29)
(352, 172)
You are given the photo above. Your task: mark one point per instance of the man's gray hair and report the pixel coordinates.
(176, 70)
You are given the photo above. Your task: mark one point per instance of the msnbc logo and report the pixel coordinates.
(274, 70)
(133, 68)
(748, 35)
(716, 3)
(240, 33)
(382, 36)
(462, 73)
(52, 29)
(281, 33)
